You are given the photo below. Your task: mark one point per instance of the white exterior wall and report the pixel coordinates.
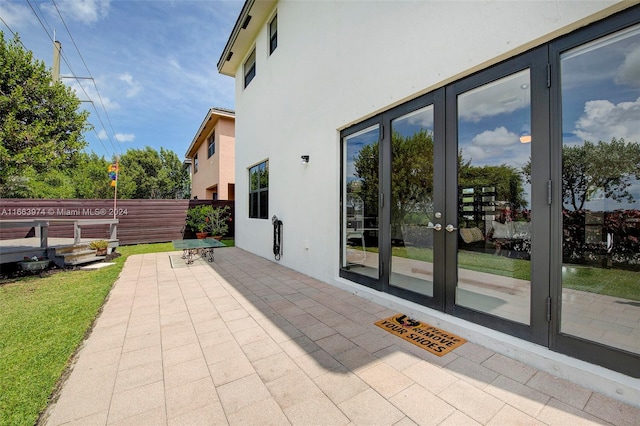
(340, 62)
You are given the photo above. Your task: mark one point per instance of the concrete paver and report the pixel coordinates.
(246, 341)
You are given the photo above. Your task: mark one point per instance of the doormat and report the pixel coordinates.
(425, 336)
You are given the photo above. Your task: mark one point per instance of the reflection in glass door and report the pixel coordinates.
(601, 191)
(494, 202)
(360, 205)
(412, 204)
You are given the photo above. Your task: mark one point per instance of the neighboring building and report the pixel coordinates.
(436, 133)
(210, 157)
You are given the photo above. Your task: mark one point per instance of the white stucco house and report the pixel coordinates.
(427, 155)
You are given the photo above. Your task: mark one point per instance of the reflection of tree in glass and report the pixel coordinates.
(607, 167)
(259, 177)
(507, 181)
(366, 169)
(412, 179)
(590, 168)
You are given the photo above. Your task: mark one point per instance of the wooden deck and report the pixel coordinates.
(41, 244)
(16, 250)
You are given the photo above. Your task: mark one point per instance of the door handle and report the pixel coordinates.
(437, 227)
(450, 228)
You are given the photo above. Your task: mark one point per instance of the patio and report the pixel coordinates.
(244, 340)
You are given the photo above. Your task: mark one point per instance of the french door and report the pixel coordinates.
(439, 203)
(511, 197)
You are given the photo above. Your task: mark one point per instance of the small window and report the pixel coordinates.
(250, 68)
(259, 191)
(195, 164)
(211, 149)
(273, 34)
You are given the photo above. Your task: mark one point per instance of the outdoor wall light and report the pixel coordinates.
(305, 159)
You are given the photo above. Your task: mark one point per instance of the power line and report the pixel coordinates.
(15, 36)
(48, 32)
(91, 76)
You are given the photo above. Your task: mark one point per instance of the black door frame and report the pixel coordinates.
(536, 62)
(588, 350)
(546, 253)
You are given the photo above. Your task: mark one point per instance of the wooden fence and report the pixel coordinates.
(140, 221)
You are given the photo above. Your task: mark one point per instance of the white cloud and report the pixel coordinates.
(14, 14)
(629, 71)
(125, 137)
(173, 62)
(498, 137)
(134, 87)
(119, 137)
(87, 92)
(87, 11)
(603, 120)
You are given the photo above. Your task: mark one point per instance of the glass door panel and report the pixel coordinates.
(361, 201)
(494, 202)
(601, 191)
(412, 204)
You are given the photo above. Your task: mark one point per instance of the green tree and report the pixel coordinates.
(41, 128)
(90, 179)
(147, 173)
(50, 184)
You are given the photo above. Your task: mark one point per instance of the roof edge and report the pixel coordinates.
(246, 8)
(213, 111)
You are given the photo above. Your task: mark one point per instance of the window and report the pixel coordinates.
(250, 68)
(195, 164)
(259, 191)
(211, 149)
(273, 34)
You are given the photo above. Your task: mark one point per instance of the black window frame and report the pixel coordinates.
(273, 34)
(211, 147)
(259, 192)
(250, 68)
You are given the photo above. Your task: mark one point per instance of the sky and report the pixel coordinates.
(153, 64)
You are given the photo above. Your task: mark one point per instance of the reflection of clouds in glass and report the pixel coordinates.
(354, 143)
(498, 137)
(516, 156)
(603, 120)
(423, 117)
(474, 153)
(629, 71)
(505, 96)
(498, 146)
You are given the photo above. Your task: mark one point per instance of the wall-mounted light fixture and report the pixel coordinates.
(305, 159)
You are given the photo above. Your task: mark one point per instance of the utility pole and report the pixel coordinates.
(57, 47)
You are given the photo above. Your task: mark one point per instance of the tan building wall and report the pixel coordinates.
(214, 176)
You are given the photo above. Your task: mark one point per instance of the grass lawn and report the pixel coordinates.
(42, 322)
